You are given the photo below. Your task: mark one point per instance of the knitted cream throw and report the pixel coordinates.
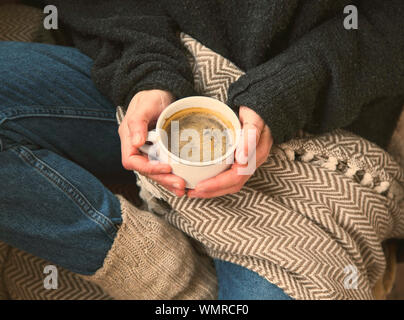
(151, 260)
(311, 219)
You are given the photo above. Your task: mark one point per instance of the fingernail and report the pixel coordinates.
(179, 194)
(165, 170)
(176, 185)
(137, 138)
(241, 157)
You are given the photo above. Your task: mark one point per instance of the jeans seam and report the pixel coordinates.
(62, 112)
(68, 189)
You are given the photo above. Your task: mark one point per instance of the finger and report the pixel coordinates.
(252, 126)
(259, 156)
(170, 182)
(229, 179)
(138, 124)
(127, 149)
(133, 160)
(250, 137)
(213, 194)
(142, 111)
(143, 165)
(264, 146)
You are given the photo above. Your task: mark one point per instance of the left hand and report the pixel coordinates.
(230, 181)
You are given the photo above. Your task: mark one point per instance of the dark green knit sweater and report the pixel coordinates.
(303, 68)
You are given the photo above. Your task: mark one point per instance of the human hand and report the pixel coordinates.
(143, 112)
(231, 181)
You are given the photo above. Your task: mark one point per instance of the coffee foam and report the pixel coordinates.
(210, 144)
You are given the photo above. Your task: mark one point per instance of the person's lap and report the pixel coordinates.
(58, 139)
(47, 89)
(56, 133)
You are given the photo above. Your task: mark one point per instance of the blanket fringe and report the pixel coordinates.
(349, 167)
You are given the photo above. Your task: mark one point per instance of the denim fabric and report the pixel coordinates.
(57, 134)
(58, 141)
(239, 283)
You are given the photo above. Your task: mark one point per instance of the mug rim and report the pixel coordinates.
(199, 163)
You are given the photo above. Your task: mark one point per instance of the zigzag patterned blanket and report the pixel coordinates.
(311, 219)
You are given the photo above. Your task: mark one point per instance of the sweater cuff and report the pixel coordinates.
(163, 80)
(282, 91)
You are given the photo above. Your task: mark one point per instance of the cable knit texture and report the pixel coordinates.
(150, 259)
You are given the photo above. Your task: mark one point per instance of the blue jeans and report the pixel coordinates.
(58, 145)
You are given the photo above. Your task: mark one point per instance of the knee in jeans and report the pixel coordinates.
(31, 66)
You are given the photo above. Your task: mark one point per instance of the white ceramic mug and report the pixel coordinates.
(192, 172)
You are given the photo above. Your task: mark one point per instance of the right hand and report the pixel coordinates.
(143, 112)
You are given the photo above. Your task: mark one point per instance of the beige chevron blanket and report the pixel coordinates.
(312, 218)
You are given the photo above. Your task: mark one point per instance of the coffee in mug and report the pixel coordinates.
(192, 118)
(199, 134)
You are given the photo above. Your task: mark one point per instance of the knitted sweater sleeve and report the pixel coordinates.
(329, 75)
(134, 45)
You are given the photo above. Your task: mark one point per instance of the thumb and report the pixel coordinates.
(138, 129)
(138, 124)
(143, 110)
(252, 126)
